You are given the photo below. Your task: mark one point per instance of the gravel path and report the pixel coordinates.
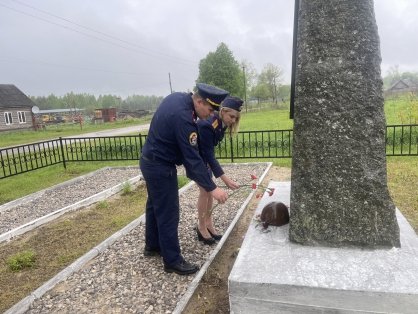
(52, 199)
(122, 280)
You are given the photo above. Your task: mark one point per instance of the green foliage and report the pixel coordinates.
(220, 68)
(182, 181)
(90, 102)
(250, 76)
(126, 188)
(260, 92)
(269, 80)
(21, 260)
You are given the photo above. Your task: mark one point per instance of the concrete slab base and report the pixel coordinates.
(272, 275)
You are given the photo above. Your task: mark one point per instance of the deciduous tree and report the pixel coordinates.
(220, 68)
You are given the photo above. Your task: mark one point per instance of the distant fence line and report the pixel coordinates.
(401, 140)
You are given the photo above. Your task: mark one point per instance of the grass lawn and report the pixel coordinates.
(403, 186)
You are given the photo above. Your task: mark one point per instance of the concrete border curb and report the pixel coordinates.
(76, 206)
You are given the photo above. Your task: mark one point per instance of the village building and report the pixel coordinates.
(401, 86)
(15, 109)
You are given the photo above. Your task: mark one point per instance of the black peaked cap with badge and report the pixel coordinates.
(211, 94)
(233, 103)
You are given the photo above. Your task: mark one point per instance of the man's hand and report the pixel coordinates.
(220, 195)
(229, 183)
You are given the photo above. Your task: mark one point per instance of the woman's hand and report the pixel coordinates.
(220, 195)
(229, 183)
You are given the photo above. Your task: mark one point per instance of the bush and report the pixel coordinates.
(19, 261)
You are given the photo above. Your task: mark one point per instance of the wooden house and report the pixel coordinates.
(401, 86)
(15, 109)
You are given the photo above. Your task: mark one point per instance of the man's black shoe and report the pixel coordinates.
(151, 252)
(182, 268)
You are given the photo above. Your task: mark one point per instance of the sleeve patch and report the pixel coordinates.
(193, 139)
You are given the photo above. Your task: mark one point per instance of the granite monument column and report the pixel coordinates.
(339, 194)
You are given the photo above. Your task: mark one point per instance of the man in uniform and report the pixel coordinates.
(171, 141)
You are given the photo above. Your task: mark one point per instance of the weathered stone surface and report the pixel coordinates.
(339, 192)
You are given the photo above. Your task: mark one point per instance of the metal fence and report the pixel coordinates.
(401, 140)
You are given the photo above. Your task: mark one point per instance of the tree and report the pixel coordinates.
(271, 76)
(220, 68)
(249, 75)
(260, 92)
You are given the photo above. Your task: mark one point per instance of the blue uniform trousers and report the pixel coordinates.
(162, 209)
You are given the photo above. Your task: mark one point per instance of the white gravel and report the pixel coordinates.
(121, 279)
(52, 199)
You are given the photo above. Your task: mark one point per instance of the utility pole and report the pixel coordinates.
(293, 78)
(245, 89)
(169, 80)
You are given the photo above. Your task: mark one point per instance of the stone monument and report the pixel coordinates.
(339, 194)
(340, 253)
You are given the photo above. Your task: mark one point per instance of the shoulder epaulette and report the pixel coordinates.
(215, 123)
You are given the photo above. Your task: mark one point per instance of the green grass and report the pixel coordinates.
(403, 186)
(402, 109)
(21, 260)
(265, 120)
(14, 138)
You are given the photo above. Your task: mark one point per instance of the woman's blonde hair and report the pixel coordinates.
(233, 129)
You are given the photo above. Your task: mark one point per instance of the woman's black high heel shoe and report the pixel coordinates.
(208, 241)
(217, 237)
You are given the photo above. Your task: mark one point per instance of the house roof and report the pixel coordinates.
(402, 84)
(11, 96)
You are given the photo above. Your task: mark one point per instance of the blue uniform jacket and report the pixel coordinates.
(173, 139)
(211, 132)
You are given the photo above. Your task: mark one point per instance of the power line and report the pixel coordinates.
(74, 67)
(149, 52)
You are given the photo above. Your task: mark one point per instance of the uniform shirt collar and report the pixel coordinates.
(190, 100)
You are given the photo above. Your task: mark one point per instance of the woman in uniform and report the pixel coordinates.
(211, 132)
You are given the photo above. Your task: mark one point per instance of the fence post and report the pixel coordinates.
(232, 149)
(62, 153)
(140, 143)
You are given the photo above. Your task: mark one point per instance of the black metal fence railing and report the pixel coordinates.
(401, 140)
(102, 148)
(24, 158)
(256, 144)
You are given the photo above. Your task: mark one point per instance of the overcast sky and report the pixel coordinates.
(128, 47)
